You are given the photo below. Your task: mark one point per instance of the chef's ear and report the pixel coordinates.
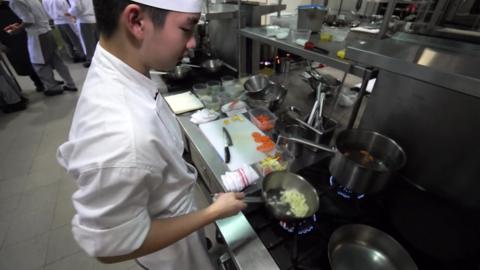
(134, 20)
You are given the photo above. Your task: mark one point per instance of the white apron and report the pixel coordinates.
(35, 50)
(189, 253)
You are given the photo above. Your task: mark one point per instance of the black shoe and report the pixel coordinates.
(86, 64)
(50, 93)
(72, 89)
(59, 82)
(24, 99)
(11, 108)
(40, 88)
(79, 59)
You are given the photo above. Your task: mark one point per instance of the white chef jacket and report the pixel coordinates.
(83, 10)
(125, 153)
(32, 11)
(56, 9)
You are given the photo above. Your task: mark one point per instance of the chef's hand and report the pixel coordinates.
(227, 204)
(13, 28)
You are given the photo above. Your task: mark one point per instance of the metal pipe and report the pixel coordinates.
(358, 103)
(337, 95)
(311, 116)
(340, 8)
(308, 126)
(319, 123)
(282, 139)
(279, 11)
(386, 19)
(239, 39)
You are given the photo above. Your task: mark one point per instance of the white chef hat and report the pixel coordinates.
(194, 6)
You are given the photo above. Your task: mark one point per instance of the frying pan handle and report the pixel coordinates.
(253, 200)
(247, 199)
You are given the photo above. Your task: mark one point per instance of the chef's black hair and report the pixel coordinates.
(108, 13)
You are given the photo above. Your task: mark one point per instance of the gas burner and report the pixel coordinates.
(304, 227)
(345, 192)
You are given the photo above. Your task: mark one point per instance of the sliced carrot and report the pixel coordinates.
(266, 147)
(262, 139)
(256, 134)
(264, 122)
(270, 141)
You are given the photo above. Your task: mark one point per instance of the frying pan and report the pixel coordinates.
(277, 182)
(178, 73)
(361, 247)
(212, 65)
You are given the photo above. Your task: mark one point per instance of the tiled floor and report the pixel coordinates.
(35, 203)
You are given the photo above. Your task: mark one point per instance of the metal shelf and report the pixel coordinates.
(258, 34)
(221, 12)
(230, 11)
(402, 1)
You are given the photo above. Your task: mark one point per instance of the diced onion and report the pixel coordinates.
(297, 202)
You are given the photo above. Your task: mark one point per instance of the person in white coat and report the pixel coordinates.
(41, 45)
(57, 9)
(82, 11)
(134, 197)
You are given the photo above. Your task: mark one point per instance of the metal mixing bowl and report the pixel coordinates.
(256, 85)
(271, 97)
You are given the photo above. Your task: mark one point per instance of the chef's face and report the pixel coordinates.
(165, 46)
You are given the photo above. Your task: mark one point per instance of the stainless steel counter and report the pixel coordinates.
(246, 249)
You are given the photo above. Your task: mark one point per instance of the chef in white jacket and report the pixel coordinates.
(135, 192)
(56, 9)
(82, 11)
(41, 45)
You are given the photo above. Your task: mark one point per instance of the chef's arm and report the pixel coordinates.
(164, 232)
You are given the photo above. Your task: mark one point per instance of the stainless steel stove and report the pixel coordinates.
(305, 245)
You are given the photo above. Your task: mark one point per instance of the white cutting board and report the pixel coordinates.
(184, 102)
(244, 149)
